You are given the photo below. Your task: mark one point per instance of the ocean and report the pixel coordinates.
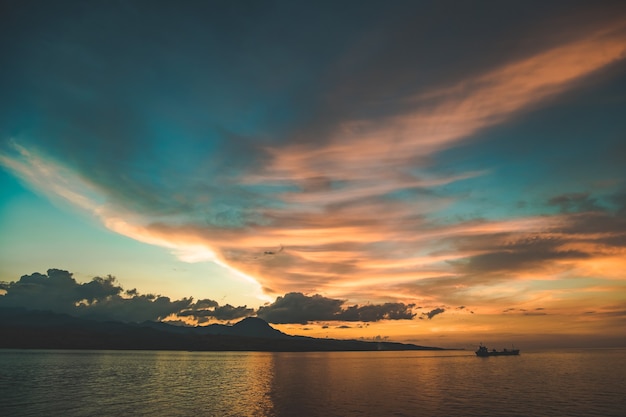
(576, 382)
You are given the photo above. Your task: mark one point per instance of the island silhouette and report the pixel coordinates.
(36, 329)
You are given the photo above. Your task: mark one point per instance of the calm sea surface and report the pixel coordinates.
(129, 383)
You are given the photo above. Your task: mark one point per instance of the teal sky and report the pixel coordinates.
(440, 156)
(38, 234)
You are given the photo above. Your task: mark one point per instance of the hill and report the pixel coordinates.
(31, 329)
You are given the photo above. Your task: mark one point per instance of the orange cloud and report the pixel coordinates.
(340, 237)
(362, 149)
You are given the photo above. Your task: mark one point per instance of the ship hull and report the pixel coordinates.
(483, 352)
(507, 353)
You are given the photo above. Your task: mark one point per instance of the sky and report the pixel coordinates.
(442, 173)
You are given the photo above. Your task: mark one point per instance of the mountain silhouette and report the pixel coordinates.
(256, 327)
(33, 329)
(248, 327)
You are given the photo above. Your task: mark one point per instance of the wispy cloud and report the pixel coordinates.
(357, 170)
(381, 148)
(357, 213)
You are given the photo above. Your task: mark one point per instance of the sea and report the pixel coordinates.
(574, 382)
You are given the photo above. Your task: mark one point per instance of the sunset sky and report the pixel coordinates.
(443, 173)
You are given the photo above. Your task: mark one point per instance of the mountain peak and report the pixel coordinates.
(252, 321)
(256, 327)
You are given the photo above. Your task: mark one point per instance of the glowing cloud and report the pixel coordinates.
(350, 227)
(364, 212)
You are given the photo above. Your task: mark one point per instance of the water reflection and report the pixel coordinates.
(359, 383)
(109, 383)
(117, 383)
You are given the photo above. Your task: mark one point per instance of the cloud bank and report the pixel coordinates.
(103, 299)
(300, 308)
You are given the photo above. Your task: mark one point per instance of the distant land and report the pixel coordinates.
(35, 329)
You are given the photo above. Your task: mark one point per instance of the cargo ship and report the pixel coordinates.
(484, 352)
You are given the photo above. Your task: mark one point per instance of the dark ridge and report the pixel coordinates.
(31, 329)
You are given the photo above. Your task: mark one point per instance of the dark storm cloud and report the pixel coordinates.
(99, 299)
(299, 308)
